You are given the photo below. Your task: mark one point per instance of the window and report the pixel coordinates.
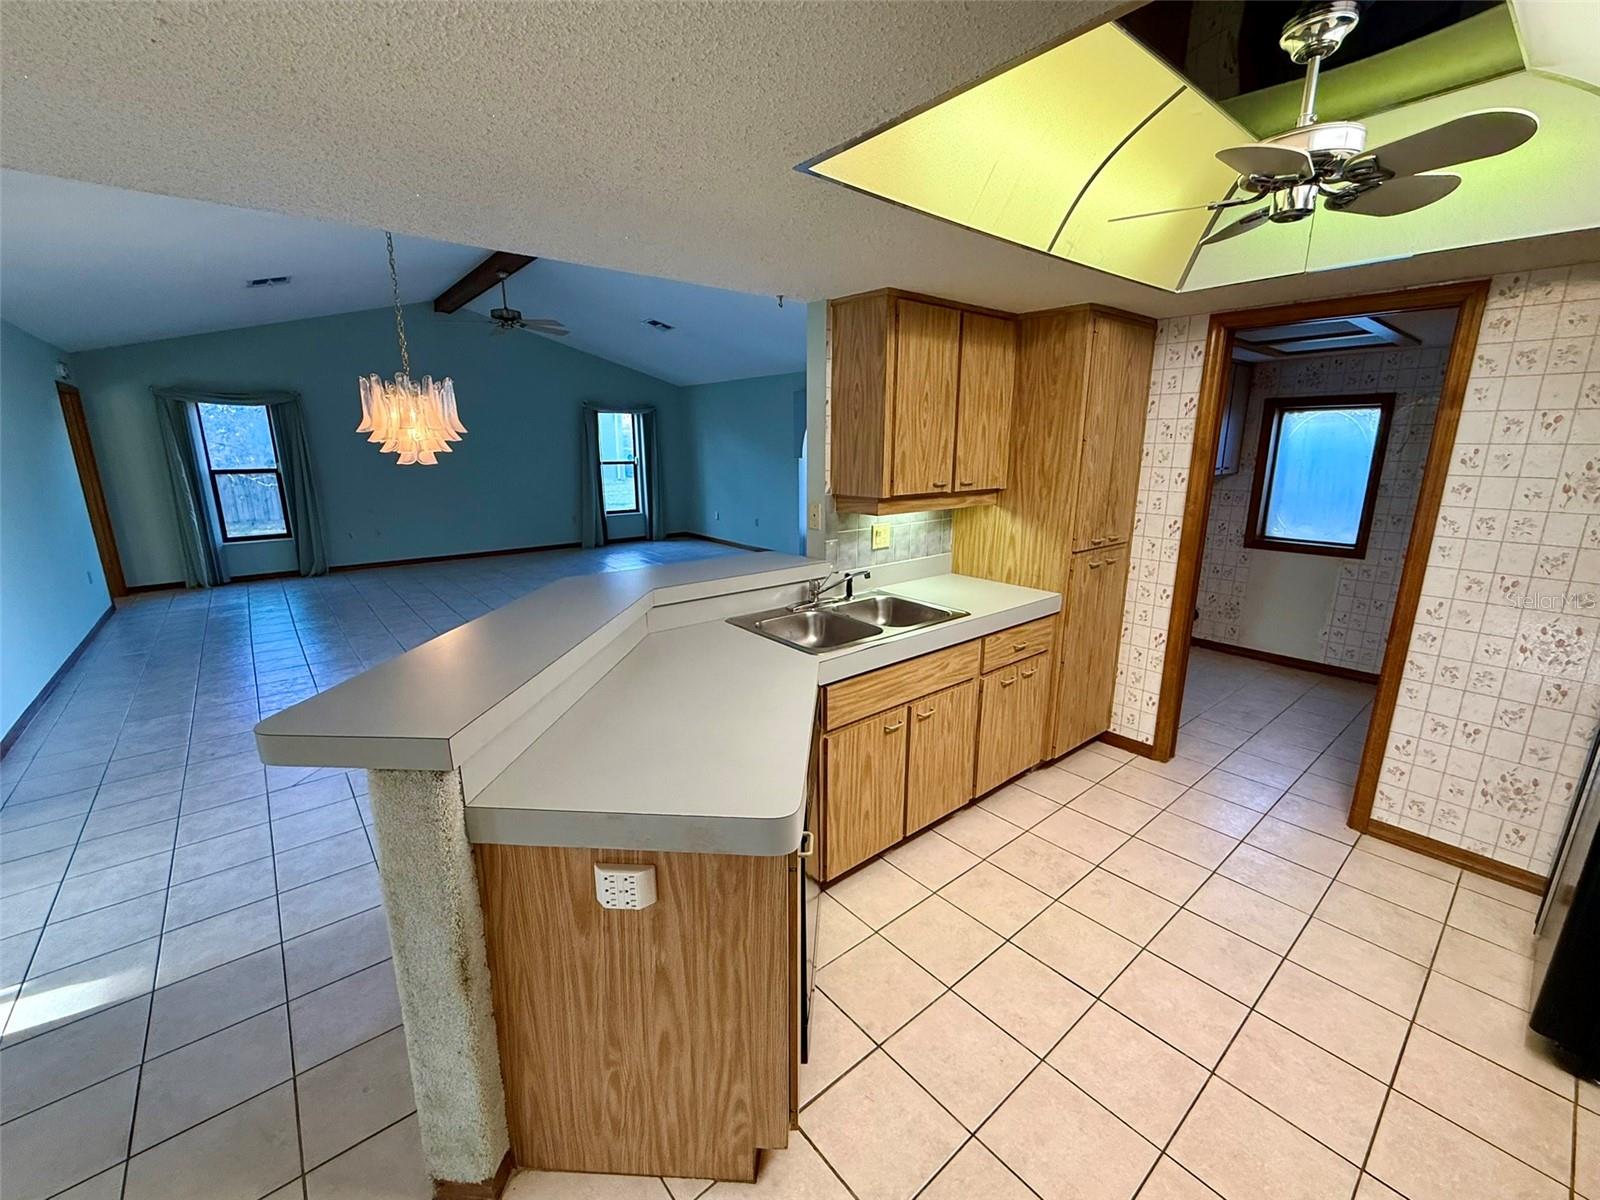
(1316, 474)
(1230, 438)
(619, 462)
(242, 459)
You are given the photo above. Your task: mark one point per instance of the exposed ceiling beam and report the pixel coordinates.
(502, 264)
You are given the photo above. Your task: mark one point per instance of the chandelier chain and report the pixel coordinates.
(399, 318)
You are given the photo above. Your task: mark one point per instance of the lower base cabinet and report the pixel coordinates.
(864, 777)
(944, 730)
(1015, 699)
(1091, 622)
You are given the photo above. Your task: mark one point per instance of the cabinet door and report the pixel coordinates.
(865, 784)
(944, 736)
(1010, 720)
(1091, 635)
(983, 401)
(927, 360)
(1115, 400)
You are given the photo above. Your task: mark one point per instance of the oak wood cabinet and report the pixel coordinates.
(1093, 605)
(1111, 444)
(921, 398)
(944, 729)
(1014, 702)
(864, 774)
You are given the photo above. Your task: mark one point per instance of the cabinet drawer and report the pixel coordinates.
(852, 699)
(1018, 642)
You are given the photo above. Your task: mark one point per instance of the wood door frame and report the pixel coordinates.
(94, 494)
(1469, 299)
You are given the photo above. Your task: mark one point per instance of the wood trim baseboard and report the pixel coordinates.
(27, 714)
(484, 1189)
(1286, 660)
(1131, 745)
(1478, 864)
(688, 535)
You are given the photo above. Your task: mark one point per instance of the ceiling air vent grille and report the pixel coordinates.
(660, 326)
(267, 281)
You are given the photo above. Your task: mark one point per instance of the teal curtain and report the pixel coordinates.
(203, 561)
(591, 505)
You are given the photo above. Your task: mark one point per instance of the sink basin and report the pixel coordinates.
(893, 612)
(817, 630)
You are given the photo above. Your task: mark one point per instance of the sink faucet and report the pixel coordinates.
(816, 588)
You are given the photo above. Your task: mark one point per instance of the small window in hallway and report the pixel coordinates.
(242, 460)
(1316, 474)
(619, 462)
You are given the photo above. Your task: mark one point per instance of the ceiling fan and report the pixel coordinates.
(505, 319)
(1329, 160)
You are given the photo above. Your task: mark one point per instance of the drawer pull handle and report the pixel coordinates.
(1096, 564)
(941, 483)
(969, 483)
(1099, 541)
(1008, 682)
(892, 728)
(1030, 672)
(923, 716)
(808, 844)
(1019, 645)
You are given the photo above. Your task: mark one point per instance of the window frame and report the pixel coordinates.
(636, 462)
(276, 471)
(1272, 412)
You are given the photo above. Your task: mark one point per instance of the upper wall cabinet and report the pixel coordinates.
(921, 403)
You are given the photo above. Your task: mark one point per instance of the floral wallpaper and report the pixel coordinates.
(1356, 627)
(1501, 693)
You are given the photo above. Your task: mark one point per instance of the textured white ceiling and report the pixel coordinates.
(658, 138)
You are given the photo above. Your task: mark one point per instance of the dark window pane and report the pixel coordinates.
(619, 486)
(237, 435)
(1320, 474)
(251, 505)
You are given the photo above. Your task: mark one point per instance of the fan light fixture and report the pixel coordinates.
(416, 421)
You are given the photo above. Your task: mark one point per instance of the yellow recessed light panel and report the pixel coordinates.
(1050, 152)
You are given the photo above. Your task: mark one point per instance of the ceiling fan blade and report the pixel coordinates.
(1476, 135)
(1215, 204)
(1243, 225)
(1403, 194)
(1263, 158)
(553, 328)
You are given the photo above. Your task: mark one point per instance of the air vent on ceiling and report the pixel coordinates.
(267, 281)
(661, 326)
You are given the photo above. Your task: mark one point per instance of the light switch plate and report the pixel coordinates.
(625, 885)
(882, 535)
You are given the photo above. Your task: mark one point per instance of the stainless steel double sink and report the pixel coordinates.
(832, 624)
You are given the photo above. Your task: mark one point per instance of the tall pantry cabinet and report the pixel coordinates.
(1066, 517)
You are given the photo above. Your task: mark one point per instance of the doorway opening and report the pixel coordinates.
(94, 494)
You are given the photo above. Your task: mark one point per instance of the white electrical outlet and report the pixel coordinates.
(625, 885)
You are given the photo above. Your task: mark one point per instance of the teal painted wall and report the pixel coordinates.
(512, 481)
(52, 589)
(737, 465)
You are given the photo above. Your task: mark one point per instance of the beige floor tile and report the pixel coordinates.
(1409, 858)
(351, 1097)
(1213, 812)
(1119, 905)
(108, 1186)
(1218, 956)
(1055, 783)
(1307, 1086)
(1188, 766)
(1504, 974)
(66, 1142)
(1504, 892)
(1087, 953)
(1129, 1070)
(1248, 792)
(389, 1165)
(1403, 885)
(1001, 901)
(980, 832)
(1586, 1177)
(1370, 1189)
(1242, 1150)
(965, 1060)
(1040, 863)
(1371, 971)
(1505, 925)
(1064, 1145)
(1492, 1028)
(941, 939)
(932, 859)
(883, 1134)
(1249, 913)
(1323, 855)
(878, 987)
(1294, 885)
(975, 1173)
(1177, 1007)
(1156, 870)
(1089, 839)
(838, 929)
(1261, 769)
(835, 1045)
(1144, 785)
(1024, 997)
(1425, 1157)
(1364, 1034)
(1520, 1117)
(564, 1185)
(1319, 818)
(1092, 762)
(246, 1151)
(1018, 805)
(878, 893)
(1382, 922)
(1169, 1181)
(796, 1172)
(1589, 1095)
(1205, 847)
(1114, 808)
(1331, 793)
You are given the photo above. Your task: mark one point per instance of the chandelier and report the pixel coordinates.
(416, 421)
